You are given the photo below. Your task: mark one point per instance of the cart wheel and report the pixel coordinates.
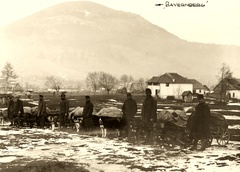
(223, 137)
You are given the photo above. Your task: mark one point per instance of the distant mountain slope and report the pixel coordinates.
(74, 38)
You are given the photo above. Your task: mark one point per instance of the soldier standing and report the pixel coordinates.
(129, 110)
(11, 109)
(200, 126)
(41, 112)
(149, 115)
(64, 109)
(87, 114)
(18, 110)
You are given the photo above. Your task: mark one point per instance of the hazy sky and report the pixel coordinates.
(217, 22)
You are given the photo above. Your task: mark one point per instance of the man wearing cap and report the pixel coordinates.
(200, 126)
(18, 110)
(129, 110)
(149, 115)
(41, 114)
(64, 109)
(87, 114)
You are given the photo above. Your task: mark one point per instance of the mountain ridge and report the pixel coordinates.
(75, 38)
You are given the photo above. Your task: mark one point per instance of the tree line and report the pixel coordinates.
(98, 80)
(108, 82)
(94, 81)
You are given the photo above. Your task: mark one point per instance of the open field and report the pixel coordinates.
(230, 112)
(32, 150)
(89, 151)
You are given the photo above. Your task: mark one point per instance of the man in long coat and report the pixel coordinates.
(18, 110)
(129, 110)
(200, 126)
(41, 112)
(149, 115)
(64, 110)
(87, 114)
(11, 109)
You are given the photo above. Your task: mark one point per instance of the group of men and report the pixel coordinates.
(16, 111)
(199, 130)
(148, 116)
(200, 124)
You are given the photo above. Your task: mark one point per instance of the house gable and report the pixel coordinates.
(186, 93)
(169, 84)
(196, 84)
(17, 88)
(168, 78)
(233, 84)
(206, 88)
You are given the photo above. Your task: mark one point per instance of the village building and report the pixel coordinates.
(10, 87)
(206, 89)
(231, 88)
(169, 85)
(17, 88)
(198, 88)
(187, 96)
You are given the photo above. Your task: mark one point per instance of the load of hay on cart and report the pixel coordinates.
(173, 127)
(109, 118)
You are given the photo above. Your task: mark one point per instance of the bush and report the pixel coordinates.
(170, 98)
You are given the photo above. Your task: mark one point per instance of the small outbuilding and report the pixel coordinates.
(187, 96)
(17, 88)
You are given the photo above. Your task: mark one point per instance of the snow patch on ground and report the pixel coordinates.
(7, 159)
(110, 154)
(112, 100)
(237, 127)
(233, 104)
(219, 110)
(87, 13)
(232, 117)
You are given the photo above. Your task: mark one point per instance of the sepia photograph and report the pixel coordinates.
(119, 85)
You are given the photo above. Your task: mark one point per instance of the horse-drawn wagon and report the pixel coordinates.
(173, 127)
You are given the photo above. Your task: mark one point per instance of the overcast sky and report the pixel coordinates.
(217, 22)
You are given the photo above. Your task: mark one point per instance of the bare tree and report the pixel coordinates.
(178, 92)
(224, 76)
(141, 84)
(107, 81)
(126, 80)
(92, 80)
(8, 74)
(53, 83)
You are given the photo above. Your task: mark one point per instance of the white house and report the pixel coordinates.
(169, 84)
(232, 87)
(198, 88)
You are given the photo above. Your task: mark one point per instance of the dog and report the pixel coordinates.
(53, 121)
(78, 122)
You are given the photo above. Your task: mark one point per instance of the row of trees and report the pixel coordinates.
(94, 80)
(98, 80)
